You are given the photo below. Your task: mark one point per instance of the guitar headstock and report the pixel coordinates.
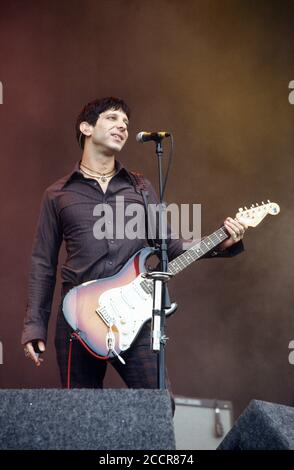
(256, 213)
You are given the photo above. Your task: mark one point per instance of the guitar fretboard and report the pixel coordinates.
(192, 254)
(197, 251)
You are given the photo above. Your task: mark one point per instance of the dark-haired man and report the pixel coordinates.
(67, 214)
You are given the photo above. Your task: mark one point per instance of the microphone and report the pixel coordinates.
(146, 136)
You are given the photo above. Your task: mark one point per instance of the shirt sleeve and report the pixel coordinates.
(42, 275)
(233, 250)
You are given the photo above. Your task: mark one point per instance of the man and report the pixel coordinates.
(67, 214)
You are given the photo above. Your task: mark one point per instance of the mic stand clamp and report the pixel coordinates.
(157, 336)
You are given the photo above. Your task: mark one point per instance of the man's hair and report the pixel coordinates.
(91, 112)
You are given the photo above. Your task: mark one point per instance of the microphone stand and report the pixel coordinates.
(161, 300)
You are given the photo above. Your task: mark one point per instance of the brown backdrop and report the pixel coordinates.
(216, 74)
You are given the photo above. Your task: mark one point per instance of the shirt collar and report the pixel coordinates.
(76, 172)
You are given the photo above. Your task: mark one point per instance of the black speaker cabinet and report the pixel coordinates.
(264, 426)
(86, 419)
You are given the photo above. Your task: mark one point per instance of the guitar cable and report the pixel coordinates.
(77, 336)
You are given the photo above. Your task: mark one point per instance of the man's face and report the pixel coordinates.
(111, 131)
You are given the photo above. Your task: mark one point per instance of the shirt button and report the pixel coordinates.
(110, 262)
(111, 241)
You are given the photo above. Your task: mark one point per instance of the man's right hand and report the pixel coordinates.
(32, 354)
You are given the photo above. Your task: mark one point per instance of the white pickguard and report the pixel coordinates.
(128, 307)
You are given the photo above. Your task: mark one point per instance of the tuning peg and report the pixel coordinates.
(262, 203)
(268, 201)
(240, 209)
(256, 204)
(245, 208)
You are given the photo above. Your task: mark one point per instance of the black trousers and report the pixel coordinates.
(140, 370)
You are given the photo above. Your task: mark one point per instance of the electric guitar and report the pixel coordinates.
(108, 313)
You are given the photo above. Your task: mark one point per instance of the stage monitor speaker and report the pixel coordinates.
(86, 419)
(201, 424)
(262, 426)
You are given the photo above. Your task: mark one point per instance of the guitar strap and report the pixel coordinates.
(139, 183)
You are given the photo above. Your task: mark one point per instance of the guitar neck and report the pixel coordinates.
(197, 251)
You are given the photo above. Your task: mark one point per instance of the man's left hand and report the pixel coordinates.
(236, 231)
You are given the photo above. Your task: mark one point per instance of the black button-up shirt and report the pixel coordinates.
(67, 214)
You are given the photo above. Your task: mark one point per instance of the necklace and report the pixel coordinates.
(102, 176)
